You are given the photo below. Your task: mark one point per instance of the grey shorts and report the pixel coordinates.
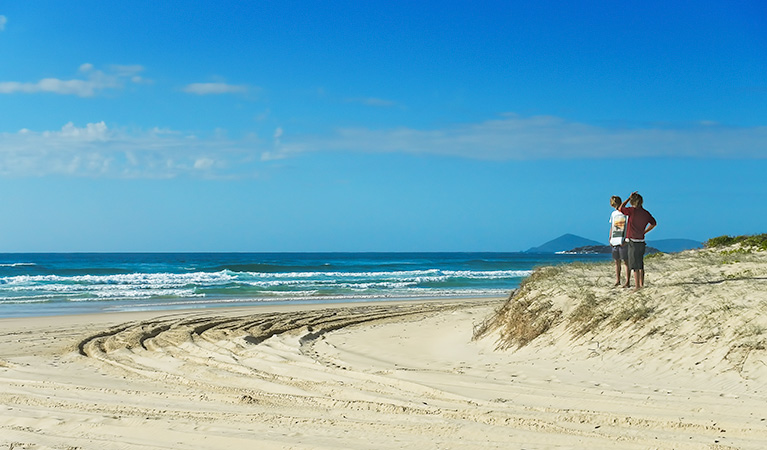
(636, 255)
(620, 252)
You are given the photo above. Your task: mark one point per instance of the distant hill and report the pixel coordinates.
(563, 243)
(675, 245)
(571, 243)
(604, 249)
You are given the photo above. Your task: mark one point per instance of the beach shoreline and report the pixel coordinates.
(56, 284)
(182, 307)
(392, 374)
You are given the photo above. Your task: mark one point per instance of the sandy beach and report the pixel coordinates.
(679, 365)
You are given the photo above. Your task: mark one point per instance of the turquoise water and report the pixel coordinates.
(49, 284)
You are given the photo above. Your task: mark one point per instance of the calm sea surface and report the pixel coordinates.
(37, 284)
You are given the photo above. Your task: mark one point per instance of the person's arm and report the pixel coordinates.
(651, 224)
(623, 205)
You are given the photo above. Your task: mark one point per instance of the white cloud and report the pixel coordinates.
(273, 156)
(95, 150)
(276, 155)
(214, 88)
(540, 137)
(130, 72)
(203, 163)
(126, 70)
(91, 132)
(3, 21)
(94, 82)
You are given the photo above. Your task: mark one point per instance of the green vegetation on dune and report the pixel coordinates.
(757, 240)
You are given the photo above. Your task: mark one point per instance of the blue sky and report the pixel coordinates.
(376, 126)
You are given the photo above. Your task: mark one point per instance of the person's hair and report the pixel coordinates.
(636, 199)
(615, 201)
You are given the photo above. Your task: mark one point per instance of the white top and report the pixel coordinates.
(618, 222)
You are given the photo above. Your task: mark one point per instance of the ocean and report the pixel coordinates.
(37, 284)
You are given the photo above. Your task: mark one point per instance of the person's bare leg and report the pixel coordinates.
(628, 273)
(617, 273)
(637, 279)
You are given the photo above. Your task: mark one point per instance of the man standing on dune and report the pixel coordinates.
(640, 223)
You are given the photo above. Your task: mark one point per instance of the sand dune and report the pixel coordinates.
(679, 365)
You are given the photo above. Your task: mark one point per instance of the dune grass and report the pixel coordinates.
(526, 315)
(713, 296)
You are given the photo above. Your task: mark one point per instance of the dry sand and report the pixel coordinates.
(679, 365)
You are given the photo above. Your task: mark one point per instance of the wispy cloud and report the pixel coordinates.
(130, 72)
(3, 21)
(215, 88)
(542, 137)
(96, 150)
(92, 82)
(373, 101)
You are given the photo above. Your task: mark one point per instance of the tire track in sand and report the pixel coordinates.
(302, 380)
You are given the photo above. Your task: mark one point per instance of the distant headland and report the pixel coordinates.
(570, 243)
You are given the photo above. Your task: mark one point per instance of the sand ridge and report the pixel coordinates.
(705, 307)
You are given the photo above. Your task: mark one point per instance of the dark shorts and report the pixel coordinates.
(620, 252)
(636, 255)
